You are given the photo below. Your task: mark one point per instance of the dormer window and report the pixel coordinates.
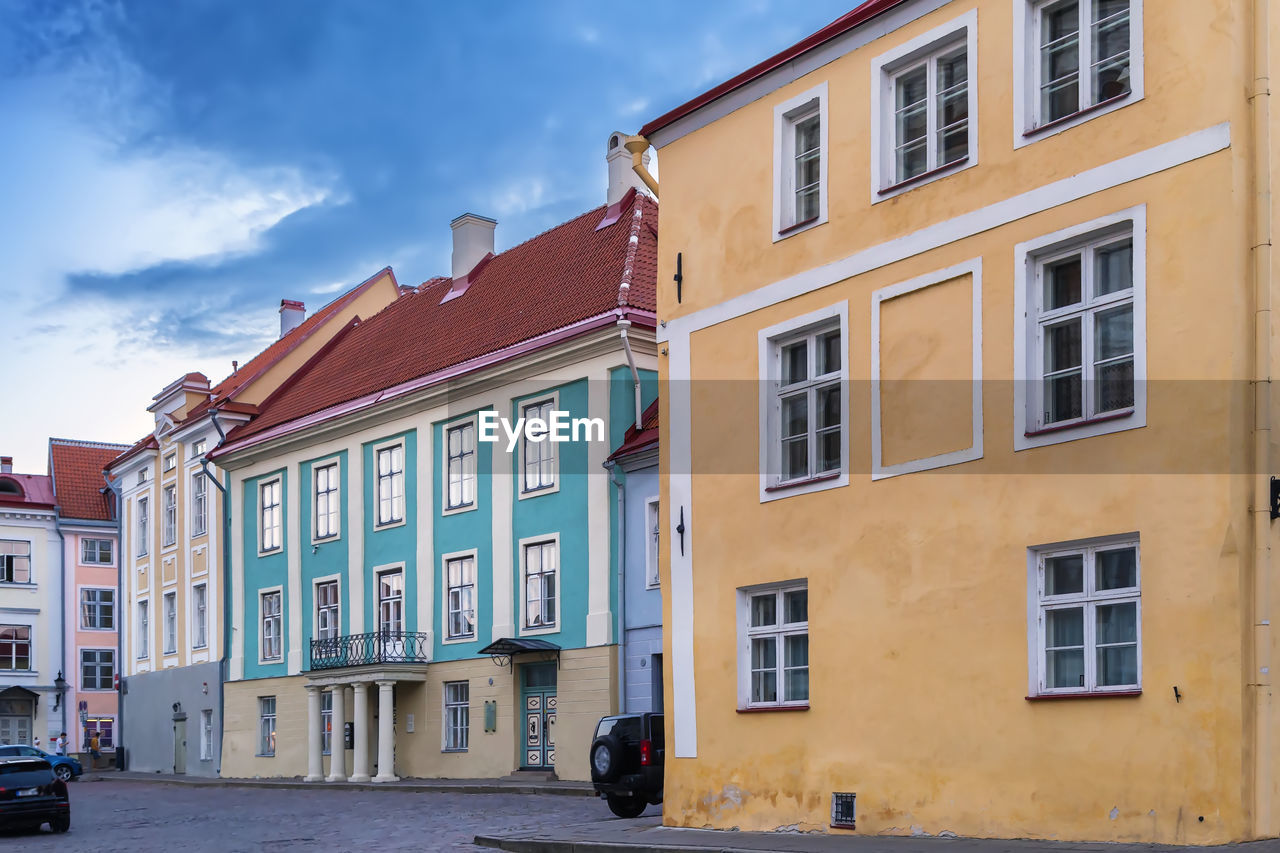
(10, 487)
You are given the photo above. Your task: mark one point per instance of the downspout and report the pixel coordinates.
(224, 660)
(1260, 100)
(62, 663)
(618, 481)
(623, 325)
(637, 145)
(118, 509)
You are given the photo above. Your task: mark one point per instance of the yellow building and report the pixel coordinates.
(967, 500)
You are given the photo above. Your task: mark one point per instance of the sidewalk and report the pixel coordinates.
(448, 786)
(647, 835)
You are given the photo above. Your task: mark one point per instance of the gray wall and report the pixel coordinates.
(147, 730)
(643, 622)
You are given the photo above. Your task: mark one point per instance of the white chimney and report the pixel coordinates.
(621, 176)
(292, 313)
(472, 240)
(6, 464)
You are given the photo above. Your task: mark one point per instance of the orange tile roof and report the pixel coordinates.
(76, 469)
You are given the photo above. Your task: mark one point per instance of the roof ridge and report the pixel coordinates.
(628, 263)
(80, 442)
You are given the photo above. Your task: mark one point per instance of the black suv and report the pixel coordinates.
(30, 795)
(626, 762)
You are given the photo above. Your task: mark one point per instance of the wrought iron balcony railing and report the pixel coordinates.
(375, 648)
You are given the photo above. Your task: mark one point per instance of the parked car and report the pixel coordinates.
(65, 767)
(30, 795)
(627, 757)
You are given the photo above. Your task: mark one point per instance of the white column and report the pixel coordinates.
(386, 733)
(337, 743)
(315, 744)
(360, 768)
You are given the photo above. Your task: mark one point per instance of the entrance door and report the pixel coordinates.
(538, 692)
(180, 745)
(15, 729)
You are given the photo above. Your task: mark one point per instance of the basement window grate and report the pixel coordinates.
(843, 810)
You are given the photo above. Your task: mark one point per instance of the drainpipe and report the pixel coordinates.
(637, 145)
(623, 325)
(62, 558)
(224, 660)
(1260, 100)
(617, 479)
(118, 506)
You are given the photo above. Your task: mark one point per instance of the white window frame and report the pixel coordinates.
(142, 629)
(200, 616)
(97, 607)
(169, 602)
(170, 529)
(5, 665)
(1038, 603)
(378, 573)
(471, 472)
(445, 604)
(277, 523)
(9, 559)
(206, 734)
(779, 630)
(785, 117)
(97, 664)
(265, 749)
(143, 521)
(652, 542)
(546, 449)
(199, 503)
(553, 540)
(393, 477)
(336, 609)
(97, 549)
(263, 617)
(1027, 127)
(326, 722)
(198, 449)
(333, 500)
(1026, 348)
(771, 341)
(170, 462)
(454, 707)
(885, 69)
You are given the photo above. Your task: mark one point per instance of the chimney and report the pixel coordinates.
(621, 176)
(292, 313)
(6, 464)
(472, 240)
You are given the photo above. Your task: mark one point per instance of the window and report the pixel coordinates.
(461, 464)
(266, 725)
(269, 604)
(461, 581)
(327, 502)
(97, 667)
(540, 566)
(197, 449)
(170, 514)
(800, 166)
(327, 613)
(143, 640)
(199, 504)
(142, 476)
(105, 727)
(199, 616)
(652, 525)
(15, 647)
(206, 732)
(1088, 630)
(326, 721)
(391, 603)
(142, 527)
(170, 462)
(391, 484)
(269, 494)
(98, 609)
(773, 661)
(540, 455)
(170, 622)
(15, 561)
(95, 551)
(457, 715)
(809, 404)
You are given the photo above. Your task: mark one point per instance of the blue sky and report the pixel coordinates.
(170, 171)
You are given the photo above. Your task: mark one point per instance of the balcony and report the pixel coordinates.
(380, 647)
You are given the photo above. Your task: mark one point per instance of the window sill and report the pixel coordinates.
(453, 751)
(772, 709)
(1078, 114)
(804, 223)
(18, 584)
(924, 176)
(792, 484)
(1101, 419)
(1097, 694)
(386, 525)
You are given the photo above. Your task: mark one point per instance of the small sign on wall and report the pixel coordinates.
(491, 716)
(408, 723)
(349, 735)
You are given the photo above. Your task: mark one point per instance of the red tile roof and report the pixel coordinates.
(76, 470)
(639, 439)
(860, 15)
(562, 277)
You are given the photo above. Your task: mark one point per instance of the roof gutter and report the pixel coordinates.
(637, 145)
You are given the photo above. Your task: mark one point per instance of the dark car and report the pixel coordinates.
(30, 795)
(626, 762)
(65, 767)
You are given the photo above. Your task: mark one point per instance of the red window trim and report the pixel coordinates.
(924, 176)
(773, 709)
(1096, 694)
(802, 223)
(1077, 114)
(791, 484)
(1100, 419)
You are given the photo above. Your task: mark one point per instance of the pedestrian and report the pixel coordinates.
(94, 754)
(37, 743)
(60, 745)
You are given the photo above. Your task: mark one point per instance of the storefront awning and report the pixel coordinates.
(504, 650)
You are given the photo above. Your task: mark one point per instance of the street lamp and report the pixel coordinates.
(60, 688)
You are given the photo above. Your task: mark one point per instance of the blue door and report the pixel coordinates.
(538, 700)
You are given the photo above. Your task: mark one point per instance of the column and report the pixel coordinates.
(386, 733)
(337, 744)
(360, 762)
(315, 742)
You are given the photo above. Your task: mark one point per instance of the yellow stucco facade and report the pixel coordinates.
(925, 681)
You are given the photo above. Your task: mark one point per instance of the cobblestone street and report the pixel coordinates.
(144, 817)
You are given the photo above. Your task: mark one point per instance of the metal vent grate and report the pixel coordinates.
(843, 810)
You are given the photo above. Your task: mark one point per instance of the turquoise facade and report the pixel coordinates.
(463, 530)
(264, 571)
(328, 557)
